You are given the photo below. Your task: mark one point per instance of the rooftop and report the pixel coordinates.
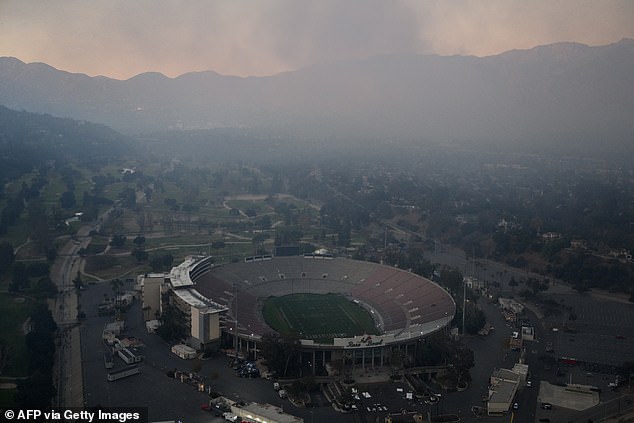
(179, 276)
(269, 412)
(503, 392)
(506, 375)
(194, 299)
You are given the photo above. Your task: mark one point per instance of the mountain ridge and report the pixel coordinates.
(573, 94)
(556, 45)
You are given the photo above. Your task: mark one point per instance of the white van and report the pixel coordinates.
(230, 417)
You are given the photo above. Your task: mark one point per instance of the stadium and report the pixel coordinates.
(229, 300)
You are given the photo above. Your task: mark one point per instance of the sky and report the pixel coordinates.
(122, 38)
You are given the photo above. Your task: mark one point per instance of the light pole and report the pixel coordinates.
(235, 316)
(464, 303)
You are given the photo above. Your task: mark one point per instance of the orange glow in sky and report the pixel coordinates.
(120, 39)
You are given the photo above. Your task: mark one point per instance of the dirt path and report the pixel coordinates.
(610, 296)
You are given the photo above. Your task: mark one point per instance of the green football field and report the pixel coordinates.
(320, 317)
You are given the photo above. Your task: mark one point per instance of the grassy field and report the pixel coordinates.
(110, 267)
(317, 317)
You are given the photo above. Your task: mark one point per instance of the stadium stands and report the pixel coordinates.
(401, 299)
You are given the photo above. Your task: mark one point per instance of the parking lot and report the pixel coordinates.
(169, 399)
(166, 398)
(600, 331)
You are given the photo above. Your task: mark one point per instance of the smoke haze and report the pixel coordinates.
(121, 39)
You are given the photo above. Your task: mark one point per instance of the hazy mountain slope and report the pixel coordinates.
(28, 139)
(563, 97)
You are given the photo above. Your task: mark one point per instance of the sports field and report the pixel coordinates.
(320, 317)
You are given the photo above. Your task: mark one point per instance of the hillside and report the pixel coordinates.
(28, 140)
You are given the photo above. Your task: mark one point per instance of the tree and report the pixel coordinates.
(116, 285)
(6, 256)
(140, 220)
(38, 389)
(285, 235)
(627, 370)
(258, 243)
(67, 200)
(38, 225)
(51, 253)
(264, 222)
(281, 352)
(42, 319)
(77, 282)
(397, 360)
(474, 319)
(218, 245)
(80, 313)
(118, 241)
(173, 324)
(38, 269)
(140, 254)
(343, 236)
(452, 279)
(139, 241)
(167, 260)
(128, 198)
(10, 213)
(432, 351)
(46, 288)
(461, 361)
(20, 278)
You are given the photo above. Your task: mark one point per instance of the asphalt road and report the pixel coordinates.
(68, 376)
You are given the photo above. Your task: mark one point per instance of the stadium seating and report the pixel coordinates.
(399, 297)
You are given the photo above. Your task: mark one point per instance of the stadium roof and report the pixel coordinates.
(194, 299)
(179, 276)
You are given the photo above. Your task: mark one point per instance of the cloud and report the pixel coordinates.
(492, 27)
(122, 38)
(239, 37)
